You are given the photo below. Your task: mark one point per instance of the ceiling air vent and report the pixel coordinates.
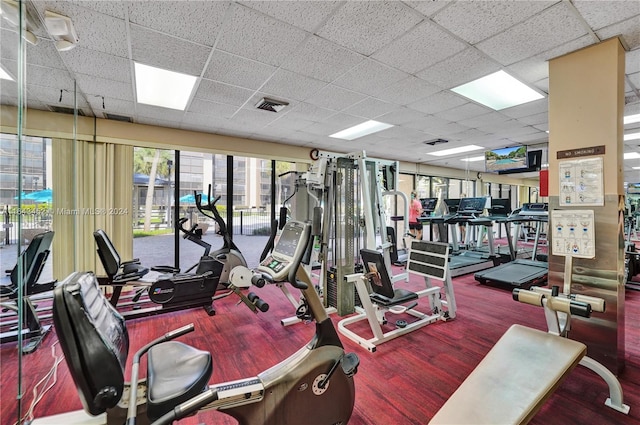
(117, 117)
(65, 110)
(271, 104)
(435, 142)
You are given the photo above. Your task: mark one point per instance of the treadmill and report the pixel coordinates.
(521, 273)
(428, 207)
(468, 261)
(499, 213)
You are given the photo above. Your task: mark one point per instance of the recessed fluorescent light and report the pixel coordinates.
(367, 127)
(630, 119)
(498, 91)
(4, 75)
(636, 168)
(631, 136)
(454, 151)
(159, 87)
(631, 155)
(473, 159)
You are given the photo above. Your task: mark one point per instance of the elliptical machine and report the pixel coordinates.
(229, 254)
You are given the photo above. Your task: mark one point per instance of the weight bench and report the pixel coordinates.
(526, 365)
(514, 379)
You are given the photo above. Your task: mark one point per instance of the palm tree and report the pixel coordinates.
(152, 162)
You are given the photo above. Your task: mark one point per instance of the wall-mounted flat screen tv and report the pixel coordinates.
(512, 158)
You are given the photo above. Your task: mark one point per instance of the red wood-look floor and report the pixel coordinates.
(404, 382)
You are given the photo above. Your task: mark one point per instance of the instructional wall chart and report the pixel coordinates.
(574, 233)
(581, 182)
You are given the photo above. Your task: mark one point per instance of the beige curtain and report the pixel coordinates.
(92, 189)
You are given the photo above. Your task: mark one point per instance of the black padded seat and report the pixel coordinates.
(117, 270)
(176, 372)
(400, 296)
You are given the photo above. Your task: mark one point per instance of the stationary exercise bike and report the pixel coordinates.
(314, 386)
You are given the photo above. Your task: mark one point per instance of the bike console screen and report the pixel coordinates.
(288, 246)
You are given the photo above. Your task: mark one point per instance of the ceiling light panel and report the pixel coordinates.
(160, 87)
(498, 91)
(454, 151)
(360, 130)
(631, 136)
(631, 155)
(631, 119)
(473, 159)
(4, 75)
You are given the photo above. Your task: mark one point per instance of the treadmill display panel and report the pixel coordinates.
(428, 204)
(472, 205)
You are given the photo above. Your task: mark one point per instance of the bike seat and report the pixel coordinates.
(176, 372)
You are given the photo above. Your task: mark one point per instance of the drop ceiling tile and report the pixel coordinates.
(9, 88)
(156, 112)
(112, 105)
(238, 71)
(306, 15)
(91, 85)
(632, 62)
(551, 28)
(492, 118)
(157, 122)
(307, 112)
(401, 116)
(163, 51)
(628, 30)
(205, 107)
(476, 21)
(9, 45)
(222, 93)
(438, 102)
(322, 59)
(635, 79)
(341, 121)
(98, 64)
(467, 110)
(529, 138)
(423, 46)
(600, 14)
(197, 21)
(403, 134)
(50, 77)
(253, 119)
(429, 8)
(335, 98)
(290, 125)
(100, 32)
(542, 85)
(371, 108)
(201, 122)
(358, 25)
(256, 36)
(526, 109)
(444, 130)
(286, 85)
(112, 8)
(460, 68)
(370, 77)
(436, 125)
(407, 91)
(51, 96)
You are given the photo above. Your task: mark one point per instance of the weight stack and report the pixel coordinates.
(339, 293)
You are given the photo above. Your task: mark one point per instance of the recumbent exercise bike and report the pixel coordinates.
(313, 386)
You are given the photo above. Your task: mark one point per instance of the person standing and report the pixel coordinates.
(415, 211)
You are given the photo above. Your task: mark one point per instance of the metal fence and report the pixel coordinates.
(33, 223)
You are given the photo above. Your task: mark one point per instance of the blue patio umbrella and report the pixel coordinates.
(40, 196)
(191, 199)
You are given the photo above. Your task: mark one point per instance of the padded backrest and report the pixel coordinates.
(38, 249)
(107, 253)
(380, 280)
(94, 339)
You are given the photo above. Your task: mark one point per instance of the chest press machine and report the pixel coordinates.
(527, 365)
(427, 259)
